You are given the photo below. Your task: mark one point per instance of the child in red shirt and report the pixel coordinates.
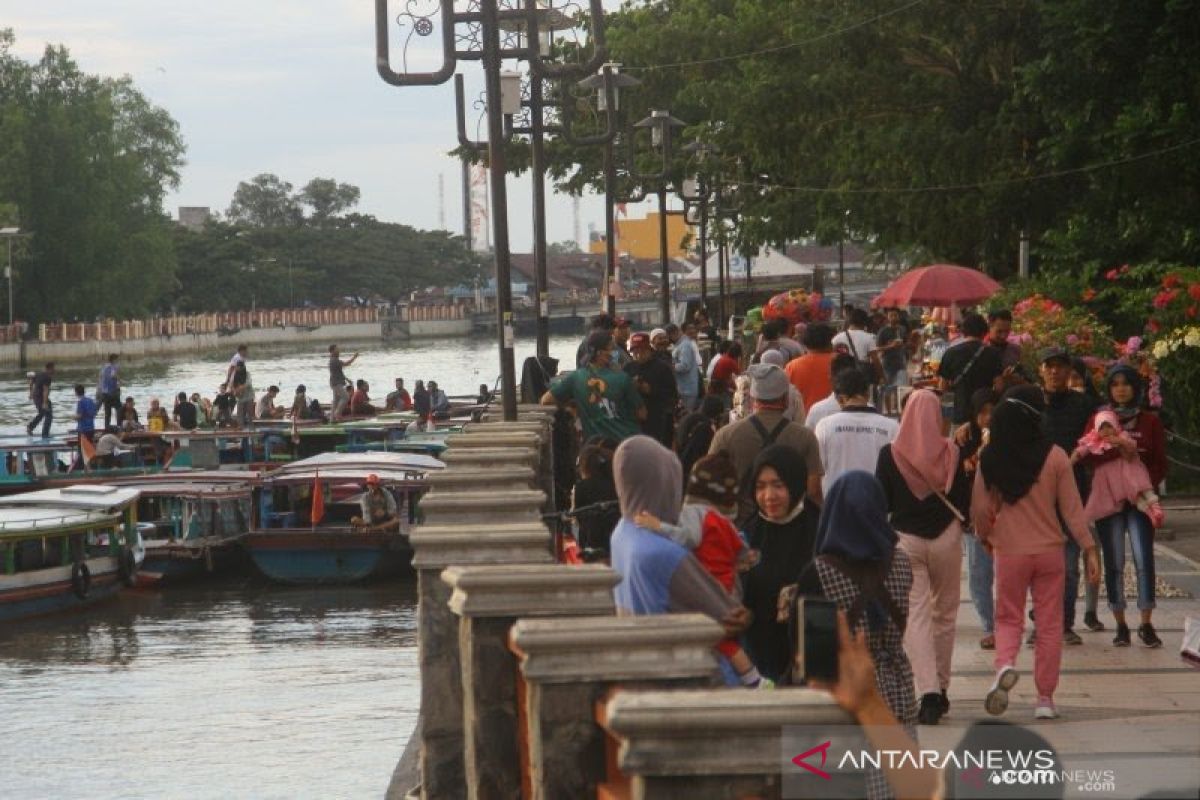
(705, 529)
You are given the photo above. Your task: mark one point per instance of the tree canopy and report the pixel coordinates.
(941, 126)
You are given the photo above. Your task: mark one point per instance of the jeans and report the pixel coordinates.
(45, 416)
(981, 580)
(1071, 553)
(112, 408)
(1111, 533)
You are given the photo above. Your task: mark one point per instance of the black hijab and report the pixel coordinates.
(786, 552)
(1134, 378)
(1018, 449)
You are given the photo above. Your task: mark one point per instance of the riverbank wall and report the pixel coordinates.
(23, 354)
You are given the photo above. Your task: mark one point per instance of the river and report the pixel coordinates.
(236, 688)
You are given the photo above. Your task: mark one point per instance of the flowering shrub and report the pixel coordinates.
(1177, 358)
(1039, 322)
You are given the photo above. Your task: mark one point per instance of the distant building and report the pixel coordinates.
(638, 238)
(194, 217)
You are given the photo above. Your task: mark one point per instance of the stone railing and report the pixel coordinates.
(532, 687)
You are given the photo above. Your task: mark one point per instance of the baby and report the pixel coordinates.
(1116, 480)
(705, 529)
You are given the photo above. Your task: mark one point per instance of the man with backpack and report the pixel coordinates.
(745, 439)
(969, 365)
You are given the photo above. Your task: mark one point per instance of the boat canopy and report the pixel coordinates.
(364, 462)
(83, 497)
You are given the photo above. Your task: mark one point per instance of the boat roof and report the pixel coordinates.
(84, 497)
(366, 462)
(16, 521)
(348, 475)
(181, 485)
(34, 443)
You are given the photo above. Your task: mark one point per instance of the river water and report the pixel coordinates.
(236, 688)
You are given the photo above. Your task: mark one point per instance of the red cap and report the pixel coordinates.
(372, 479)
(639, 340)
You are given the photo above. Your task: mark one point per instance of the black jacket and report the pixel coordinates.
(1064, 421)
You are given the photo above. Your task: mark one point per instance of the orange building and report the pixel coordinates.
(638, 238)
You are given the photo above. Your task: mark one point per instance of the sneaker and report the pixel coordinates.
(1071, 637)
(1122, 637)
(1148, 636)
(931, 709)
(1093, 622)
(945, 703)
(764, 683)
(1045, 709)
(996, 702)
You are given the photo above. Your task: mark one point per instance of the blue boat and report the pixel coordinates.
(287, 546)
(66, 548)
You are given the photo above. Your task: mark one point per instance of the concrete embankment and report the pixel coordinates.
(25, 353)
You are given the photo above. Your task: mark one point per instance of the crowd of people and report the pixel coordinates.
(860, 466)
(106, 415)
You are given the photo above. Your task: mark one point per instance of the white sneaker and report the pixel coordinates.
(1045, 709)
(996, 701)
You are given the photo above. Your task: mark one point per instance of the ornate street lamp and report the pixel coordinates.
(661, 125)
(475, 34)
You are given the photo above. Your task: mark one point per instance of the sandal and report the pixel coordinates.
(988, 642)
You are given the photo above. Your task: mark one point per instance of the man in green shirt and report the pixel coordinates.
(605, 399)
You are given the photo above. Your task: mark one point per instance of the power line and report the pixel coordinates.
(782, 47)
(958, 187)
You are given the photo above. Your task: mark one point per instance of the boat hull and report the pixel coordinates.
(46, 591)
(171, 563)
(314, 557)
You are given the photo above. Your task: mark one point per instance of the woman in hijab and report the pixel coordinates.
(868, 576)
(928, 495)
(659, 576)
(1024, 496)
(1124, 387)
(784, 532)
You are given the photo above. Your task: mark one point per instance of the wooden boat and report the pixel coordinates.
(191, 522)
(66, 548)
(296, 540)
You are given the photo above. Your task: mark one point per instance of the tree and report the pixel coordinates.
(327, 198)
(265, 201)
(86, 161)
(564, 248)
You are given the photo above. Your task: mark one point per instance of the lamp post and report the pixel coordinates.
(474, 34)
(608, 84)
(9, 234)
(697, 191)
(661, 125)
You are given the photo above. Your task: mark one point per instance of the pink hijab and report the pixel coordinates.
(1091, 441)
(926, 458)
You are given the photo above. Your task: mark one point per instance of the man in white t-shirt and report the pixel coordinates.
(855, 340)
(852, 438)
(829, 406)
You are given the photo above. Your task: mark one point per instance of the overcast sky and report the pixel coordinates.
(283, 87)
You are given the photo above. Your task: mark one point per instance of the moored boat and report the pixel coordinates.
(64, 548)
(306, 531)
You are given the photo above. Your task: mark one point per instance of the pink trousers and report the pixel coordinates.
(1043, 575)
(933, 606)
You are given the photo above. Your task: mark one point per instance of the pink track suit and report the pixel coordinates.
(1027, 543)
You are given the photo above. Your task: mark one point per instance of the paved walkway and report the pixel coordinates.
(1133, 710)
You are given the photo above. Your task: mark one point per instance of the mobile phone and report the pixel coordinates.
(816, 639)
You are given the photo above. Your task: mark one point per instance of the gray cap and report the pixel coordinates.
(1054, 354)
(767, 382)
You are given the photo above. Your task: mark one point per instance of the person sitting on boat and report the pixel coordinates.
(130, 421)
(224, 406)
(379, 511)
(300, 408)
(186, 414)
(109, 448)
(157, 420)
(266, 405)
(439, 402)
(204, 409)
(360, 401)
(399, 400)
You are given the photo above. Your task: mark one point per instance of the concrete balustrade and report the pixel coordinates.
(454, 508)
(491, 439)
(488, 600)
(490, 457)
(710, 744)
(475, 479)
(570, 664)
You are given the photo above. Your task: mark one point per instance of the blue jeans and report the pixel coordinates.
(1111, 532)
(45, 415)
(1071, 553)
(981, 580)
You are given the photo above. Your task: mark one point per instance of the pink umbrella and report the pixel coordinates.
(938, 285)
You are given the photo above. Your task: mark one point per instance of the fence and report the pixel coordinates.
(117, 330)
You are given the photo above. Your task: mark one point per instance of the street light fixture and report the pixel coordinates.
(662, 126)
(475, 34)
(9, 234)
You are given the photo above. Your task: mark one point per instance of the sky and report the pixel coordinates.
(288, 88)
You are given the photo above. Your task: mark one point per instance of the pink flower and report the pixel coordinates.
(1112, 275)
(1072, 339)
(1133, 345)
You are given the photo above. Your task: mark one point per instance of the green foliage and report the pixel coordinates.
(265, 201)
(944, 126)
(85, 161)
(327, 198)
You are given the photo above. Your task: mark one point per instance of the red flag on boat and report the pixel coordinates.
(318, 501)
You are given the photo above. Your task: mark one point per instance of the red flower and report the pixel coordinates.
(1089, 294)
(1194, 291)
(1112, 274)
(1165, 298)
(1191, 312)
(1124, 269)
(1153, 326)
(1171, 281)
